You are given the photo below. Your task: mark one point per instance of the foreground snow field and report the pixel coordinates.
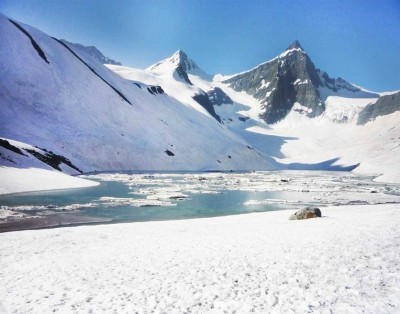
(346, 262)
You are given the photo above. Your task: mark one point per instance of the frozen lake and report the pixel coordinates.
(129, 197)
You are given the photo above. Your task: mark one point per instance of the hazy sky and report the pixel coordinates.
(358, 40)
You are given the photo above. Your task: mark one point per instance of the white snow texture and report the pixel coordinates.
(346, 262)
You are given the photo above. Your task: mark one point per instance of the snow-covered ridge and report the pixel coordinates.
(294, 47)
(91, 51)
(290, 51)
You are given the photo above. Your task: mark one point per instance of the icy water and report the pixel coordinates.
(129, 197)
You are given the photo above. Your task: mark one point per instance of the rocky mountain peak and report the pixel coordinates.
(291, 82)
(287, 83)
(295, 45)
(181, 59)
(179, 65)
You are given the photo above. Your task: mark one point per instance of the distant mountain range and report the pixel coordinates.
(63, 109)
(91, 51)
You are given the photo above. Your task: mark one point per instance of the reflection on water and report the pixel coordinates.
(124, 197)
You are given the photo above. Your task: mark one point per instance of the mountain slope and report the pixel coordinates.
(78, 109)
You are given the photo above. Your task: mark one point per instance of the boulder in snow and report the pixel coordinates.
(305, 213)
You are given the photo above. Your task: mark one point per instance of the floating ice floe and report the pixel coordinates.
(6, 213)
(117, 201)
(27, 208)
(167, 196)
(270, 201)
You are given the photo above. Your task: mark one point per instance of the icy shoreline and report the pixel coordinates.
(347, 261)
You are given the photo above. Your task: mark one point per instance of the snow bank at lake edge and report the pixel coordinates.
(18, 180)
(347, 261)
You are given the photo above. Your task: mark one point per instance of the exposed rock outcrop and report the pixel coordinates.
(218, 97)
(384, 105)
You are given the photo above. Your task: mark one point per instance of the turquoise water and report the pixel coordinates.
(197, 205)
(205, 195)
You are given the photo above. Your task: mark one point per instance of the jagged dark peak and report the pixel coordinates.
(287, 82)
(295, 45)
(336, 84)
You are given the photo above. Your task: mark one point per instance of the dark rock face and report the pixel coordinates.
(285, 80)
(218, 97)
(92, 51)
(6, 144)
(282, 82)
(306, 213)
(205, 102)
(384, 105)
(155, 89)
(180, 70)
(51, 159)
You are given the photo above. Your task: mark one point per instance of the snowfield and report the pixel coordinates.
(346, 262)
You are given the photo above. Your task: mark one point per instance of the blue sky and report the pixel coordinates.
(358, 40)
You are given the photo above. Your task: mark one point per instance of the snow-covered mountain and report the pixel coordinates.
(173, 75)
(66, 104)
(91, 51)
(291, 82)
(64, 110)
(292, 111)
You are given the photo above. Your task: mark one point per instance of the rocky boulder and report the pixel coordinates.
(306, 213)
